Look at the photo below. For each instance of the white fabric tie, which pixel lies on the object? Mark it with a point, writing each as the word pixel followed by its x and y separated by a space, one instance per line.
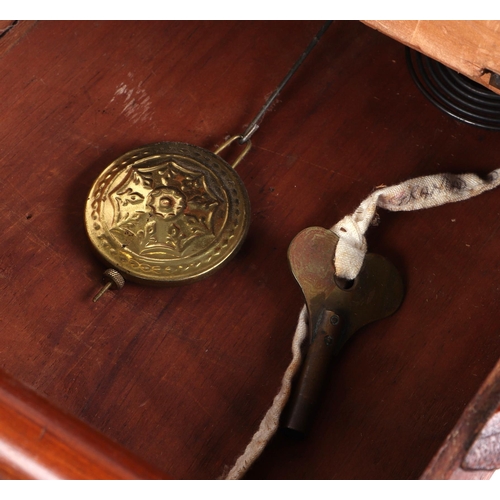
pixel 413 194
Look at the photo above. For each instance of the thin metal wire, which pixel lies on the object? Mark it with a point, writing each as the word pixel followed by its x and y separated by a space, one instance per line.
pixel 252 128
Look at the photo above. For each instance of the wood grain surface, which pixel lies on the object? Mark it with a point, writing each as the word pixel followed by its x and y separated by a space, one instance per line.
pixel 181 377
pixel 469 47
pixel 38 441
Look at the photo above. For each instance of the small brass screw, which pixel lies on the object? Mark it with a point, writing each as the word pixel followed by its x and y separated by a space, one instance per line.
pixel 113 279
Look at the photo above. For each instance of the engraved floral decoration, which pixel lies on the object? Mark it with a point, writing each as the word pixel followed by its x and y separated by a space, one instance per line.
pixel 165 211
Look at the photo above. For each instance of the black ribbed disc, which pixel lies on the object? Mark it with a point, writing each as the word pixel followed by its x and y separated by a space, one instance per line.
pixel 456 95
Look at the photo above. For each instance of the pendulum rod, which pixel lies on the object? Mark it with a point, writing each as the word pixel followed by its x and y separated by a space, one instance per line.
pixel 252 128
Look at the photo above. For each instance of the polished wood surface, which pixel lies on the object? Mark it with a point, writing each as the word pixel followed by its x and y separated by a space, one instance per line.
pixel 38 441
pixel 469 47
pixel 181 377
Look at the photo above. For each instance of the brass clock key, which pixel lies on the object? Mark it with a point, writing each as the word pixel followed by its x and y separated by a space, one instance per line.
pixel 336 310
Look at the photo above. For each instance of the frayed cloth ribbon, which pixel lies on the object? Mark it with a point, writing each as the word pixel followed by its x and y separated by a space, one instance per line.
pixel 413 194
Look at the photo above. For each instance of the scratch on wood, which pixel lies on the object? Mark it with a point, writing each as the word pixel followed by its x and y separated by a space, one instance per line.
pixel 201 406
pixel 415 34
pixel 5 30
pixel 137 105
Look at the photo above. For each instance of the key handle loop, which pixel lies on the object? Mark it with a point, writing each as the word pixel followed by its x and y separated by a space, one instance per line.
pixel 248 146
pixel 377 291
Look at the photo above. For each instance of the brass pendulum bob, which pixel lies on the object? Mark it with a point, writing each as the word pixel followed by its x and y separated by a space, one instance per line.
pixel 172 213
pixel 168 213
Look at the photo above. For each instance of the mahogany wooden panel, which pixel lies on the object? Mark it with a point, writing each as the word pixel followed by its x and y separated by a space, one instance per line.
pixel 469 47
pixel 11 32
pixel 37 441
pixel 181 377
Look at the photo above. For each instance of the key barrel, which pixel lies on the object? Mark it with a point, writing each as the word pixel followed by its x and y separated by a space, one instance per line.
pixel 319 355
